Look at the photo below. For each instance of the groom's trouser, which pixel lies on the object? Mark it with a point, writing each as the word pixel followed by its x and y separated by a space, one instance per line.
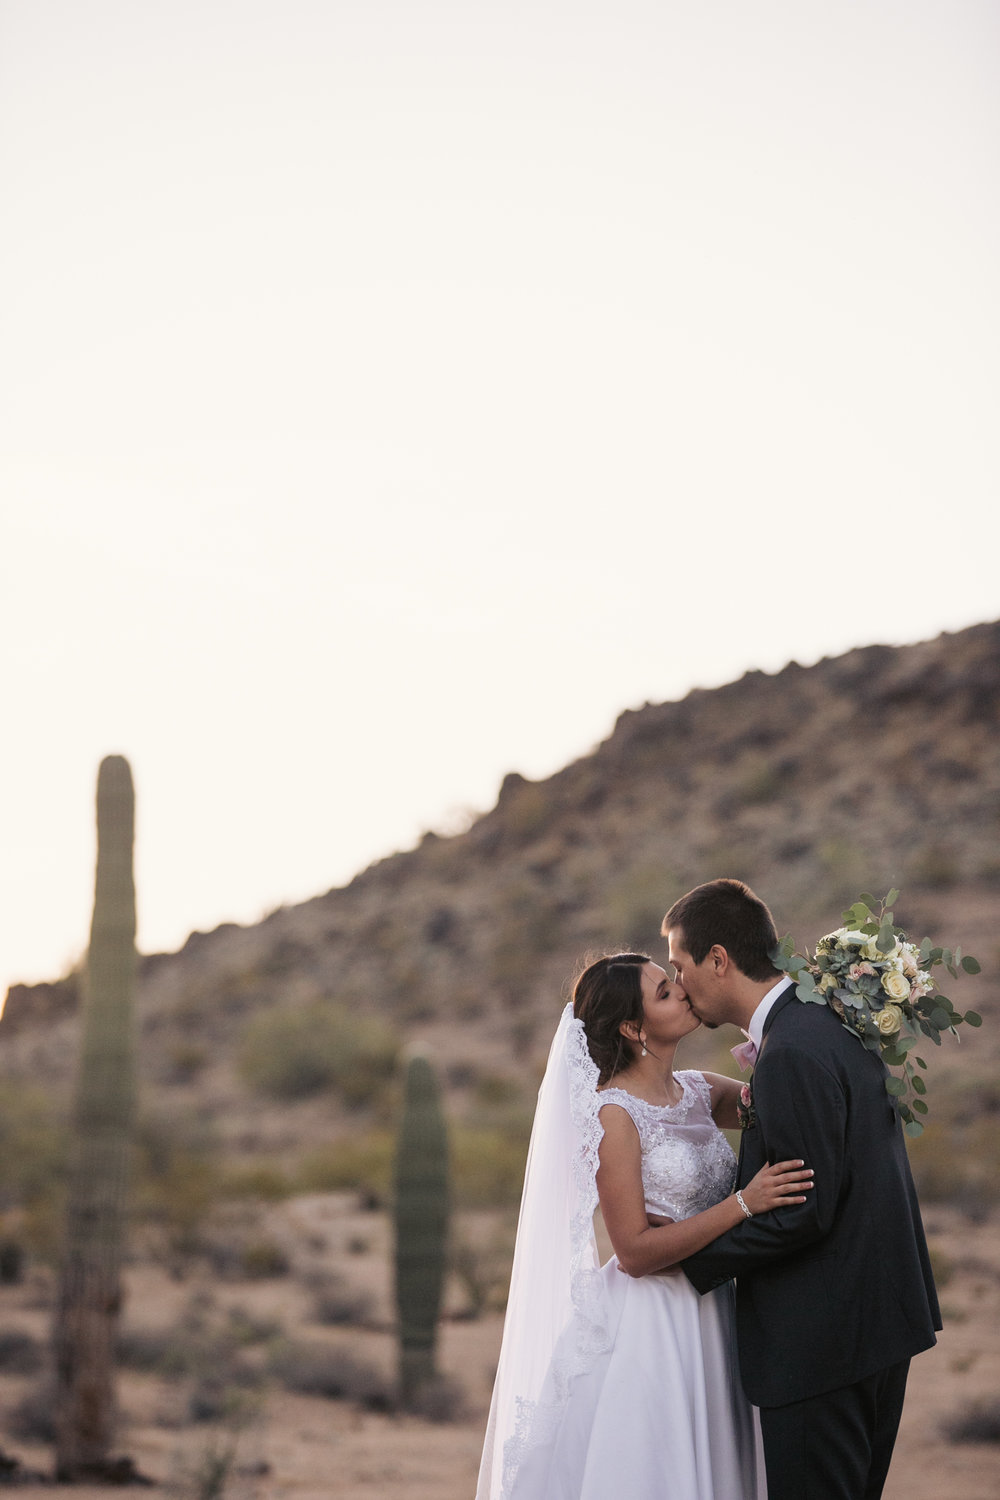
pixel 836 1446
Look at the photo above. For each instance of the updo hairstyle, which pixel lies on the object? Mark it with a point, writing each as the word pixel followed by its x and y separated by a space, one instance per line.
pixel 608 992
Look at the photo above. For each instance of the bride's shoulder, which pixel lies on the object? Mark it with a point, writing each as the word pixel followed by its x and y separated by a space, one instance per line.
pixel 698 1083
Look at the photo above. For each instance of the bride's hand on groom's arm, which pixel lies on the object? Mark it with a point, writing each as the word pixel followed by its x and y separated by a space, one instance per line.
pixel 777 1185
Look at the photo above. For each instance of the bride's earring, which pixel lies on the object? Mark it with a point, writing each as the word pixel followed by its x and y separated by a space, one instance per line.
pixel 643 1054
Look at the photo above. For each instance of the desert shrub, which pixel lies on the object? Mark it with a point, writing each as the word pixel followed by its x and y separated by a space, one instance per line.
pixel 337 1304
pixel 32 1418
pixel 357 1162
pixel 959 1163
pixel 759 781
pixel 176 1179
pixel 147 1349
pixel 261 1180
pixel 941 1266
pixel 291 1054
pixel 32 1162
pixel 247 1328
pixel 11 1261
pixel 978 1423
pixel 440 1399
pixel 20 1354
pixel 636 903
pixel 934 867
pixel 263 1258
pixel 482 1270
pixel 185 1060
pixel 496 1090
pixel 487 1167
pixel 217 1397
pixel 314 1369
pixel 206 1477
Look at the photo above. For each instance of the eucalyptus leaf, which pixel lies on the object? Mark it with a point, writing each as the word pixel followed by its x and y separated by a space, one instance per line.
pixel 920 1106
pixel 913 1128
pixel 892 898
pixel 895 1086
pixel 808 992
pixel 919 1085
pixel 971 965
pixel 941 1019
pixel 867 900
pixel 920 1061
pixel 886 940
pixel 973 1018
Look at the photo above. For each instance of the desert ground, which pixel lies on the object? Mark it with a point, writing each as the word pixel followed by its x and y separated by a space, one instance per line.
pixel 273 1444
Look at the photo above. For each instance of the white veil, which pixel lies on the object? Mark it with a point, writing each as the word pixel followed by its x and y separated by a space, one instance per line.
pixel 556 1322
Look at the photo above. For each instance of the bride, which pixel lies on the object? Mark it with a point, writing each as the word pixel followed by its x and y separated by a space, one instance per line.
pixel 626 1384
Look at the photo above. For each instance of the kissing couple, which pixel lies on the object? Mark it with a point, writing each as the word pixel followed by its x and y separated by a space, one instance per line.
pixel 757 1345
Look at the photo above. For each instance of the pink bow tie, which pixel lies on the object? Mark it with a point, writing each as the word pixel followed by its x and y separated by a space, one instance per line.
pixel 746 1053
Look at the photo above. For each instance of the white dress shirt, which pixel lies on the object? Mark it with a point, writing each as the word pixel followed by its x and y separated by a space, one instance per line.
pixel 760 1015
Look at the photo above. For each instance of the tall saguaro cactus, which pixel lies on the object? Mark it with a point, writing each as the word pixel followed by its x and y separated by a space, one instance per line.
pixel 103 1114
pixel 422 1202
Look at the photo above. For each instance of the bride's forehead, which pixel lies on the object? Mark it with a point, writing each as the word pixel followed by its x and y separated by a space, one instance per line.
pixel 652 975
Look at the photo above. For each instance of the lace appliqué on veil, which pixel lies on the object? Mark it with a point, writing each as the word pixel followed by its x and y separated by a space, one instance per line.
pixel 590 1335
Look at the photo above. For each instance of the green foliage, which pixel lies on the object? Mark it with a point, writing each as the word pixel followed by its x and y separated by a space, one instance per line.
pixel 488 1166
pixel 177 1179
pixel 33 1144
pixel 359 1162
pixel 291 1054
pixel 422 1193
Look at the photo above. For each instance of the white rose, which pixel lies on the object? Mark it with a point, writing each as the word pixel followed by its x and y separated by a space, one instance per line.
pixel 889 1020
pixel 849 939
pixel 896 985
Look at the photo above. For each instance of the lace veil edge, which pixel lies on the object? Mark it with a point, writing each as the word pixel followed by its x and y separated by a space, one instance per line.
pixel 557 1323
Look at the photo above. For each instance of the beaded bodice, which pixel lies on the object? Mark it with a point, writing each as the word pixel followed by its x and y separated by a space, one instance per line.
pixel 687 1163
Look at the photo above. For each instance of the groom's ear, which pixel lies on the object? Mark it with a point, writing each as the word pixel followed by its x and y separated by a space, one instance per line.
pixel 721 962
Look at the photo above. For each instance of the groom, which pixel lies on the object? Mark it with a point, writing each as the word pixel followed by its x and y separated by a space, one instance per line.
pixel 834 1295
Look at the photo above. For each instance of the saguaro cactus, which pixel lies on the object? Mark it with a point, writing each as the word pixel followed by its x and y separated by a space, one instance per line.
pixel 103 1113
pixel 422 1194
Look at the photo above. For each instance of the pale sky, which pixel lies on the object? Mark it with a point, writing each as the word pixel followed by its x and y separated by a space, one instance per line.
pixel 394 391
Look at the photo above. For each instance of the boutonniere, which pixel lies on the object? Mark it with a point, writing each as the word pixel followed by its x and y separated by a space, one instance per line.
pixel 745 1112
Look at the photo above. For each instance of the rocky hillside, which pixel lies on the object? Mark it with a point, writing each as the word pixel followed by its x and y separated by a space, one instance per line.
pixel 876 768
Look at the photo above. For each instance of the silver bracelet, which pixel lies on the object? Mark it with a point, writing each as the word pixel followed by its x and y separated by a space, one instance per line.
pixel 739 1199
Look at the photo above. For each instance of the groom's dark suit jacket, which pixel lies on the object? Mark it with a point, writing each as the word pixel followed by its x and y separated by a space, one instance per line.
pixel 831 1290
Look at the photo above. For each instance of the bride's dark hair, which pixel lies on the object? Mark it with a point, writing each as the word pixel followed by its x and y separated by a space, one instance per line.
pixel 608 992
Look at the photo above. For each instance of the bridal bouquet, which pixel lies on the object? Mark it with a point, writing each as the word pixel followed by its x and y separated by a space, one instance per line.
pixel 882 988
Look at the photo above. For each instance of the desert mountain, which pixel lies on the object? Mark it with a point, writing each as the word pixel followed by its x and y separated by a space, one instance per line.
pixel 876 768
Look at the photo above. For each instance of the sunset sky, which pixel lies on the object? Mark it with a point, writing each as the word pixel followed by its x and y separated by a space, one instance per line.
pixel 396 390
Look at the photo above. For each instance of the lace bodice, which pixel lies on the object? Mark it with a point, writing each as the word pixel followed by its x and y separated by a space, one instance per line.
pixel 687 1163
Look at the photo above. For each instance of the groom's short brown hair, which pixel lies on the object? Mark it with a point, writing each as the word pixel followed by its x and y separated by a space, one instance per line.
pixel 726 912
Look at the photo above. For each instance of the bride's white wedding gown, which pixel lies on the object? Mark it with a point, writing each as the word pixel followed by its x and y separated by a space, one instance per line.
pixel 658 1413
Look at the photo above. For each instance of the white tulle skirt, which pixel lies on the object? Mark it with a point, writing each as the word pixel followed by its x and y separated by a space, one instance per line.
pixel 661 1415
